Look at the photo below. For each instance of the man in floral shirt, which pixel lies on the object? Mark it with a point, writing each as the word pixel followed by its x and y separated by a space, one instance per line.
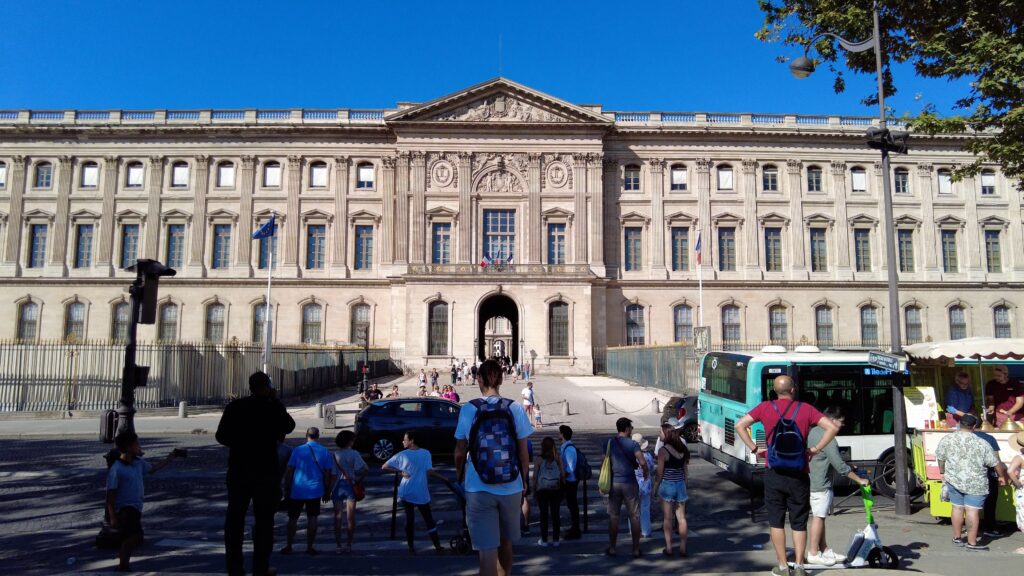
pixel 964 459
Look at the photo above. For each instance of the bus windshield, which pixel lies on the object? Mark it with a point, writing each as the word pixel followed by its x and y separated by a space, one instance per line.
pixel 725 376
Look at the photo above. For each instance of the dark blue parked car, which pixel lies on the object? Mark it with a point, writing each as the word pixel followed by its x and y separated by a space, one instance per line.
pixel 381 425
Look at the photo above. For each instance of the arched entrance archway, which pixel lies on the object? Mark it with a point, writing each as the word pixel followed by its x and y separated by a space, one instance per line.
pixel 497 306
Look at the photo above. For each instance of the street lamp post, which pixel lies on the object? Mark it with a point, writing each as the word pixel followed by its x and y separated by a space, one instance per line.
pixel 802 67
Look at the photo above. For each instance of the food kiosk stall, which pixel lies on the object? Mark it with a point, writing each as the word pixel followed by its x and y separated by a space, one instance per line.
pixel 933 366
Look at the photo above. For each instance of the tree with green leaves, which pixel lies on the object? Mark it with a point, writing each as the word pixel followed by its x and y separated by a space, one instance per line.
pixel 981 41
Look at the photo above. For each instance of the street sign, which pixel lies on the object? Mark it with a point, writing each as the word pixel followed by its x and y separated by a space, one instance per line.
pixel 701 339
pixel 888 362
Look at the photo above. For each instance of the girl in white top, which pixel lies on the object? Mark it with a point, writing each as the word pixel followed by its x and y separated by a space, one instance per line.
pixel 415 465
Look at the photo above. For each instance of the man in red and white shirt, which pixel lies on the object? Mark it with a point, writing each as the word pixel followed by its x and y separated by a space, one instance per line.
pixel 787 490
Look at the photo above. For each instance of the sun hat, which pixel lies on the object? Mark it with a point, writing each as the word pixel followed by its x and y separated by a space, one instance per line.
pixel 1016 441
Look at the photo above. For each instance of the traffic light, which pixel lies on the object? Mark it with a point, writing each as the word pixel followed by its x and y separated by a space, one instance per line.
pixel 149 272
pixel 885 139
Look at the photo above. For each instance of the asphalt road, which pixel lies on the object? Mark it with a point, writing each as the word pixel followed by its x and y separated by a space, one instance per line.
pixel 51 494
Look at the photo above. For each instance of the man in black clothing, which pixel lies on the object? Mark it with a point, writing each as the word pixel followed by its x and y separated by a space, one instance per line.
pixel 251 427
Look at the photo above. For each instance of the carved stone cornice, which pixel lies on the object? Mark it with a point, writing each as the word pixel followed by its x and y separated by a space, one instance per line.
pixel 704 165
pixel 794 166
pixel 749 165
pixel 838 168
pixel 924 169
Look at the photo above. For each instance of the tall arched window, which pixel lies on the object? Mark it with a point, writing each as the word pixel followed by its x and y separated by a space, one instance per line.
pixel 225 175
pixel 770 178
pixel 312 324
pixel 44 175
pixel 957 323
pixel 215 323
pixel 437 343
pixel 901 179
pixel 359 332
pixel 731 326
pixel 1001 318
pixel 121 314
pixel 631 179
pixel 778 325
pixel 682 323
pixel 558 329
pixel 635 325
pixel 869 326
pixel 259 322
pixel 823 326
pixel 167 331
pixel 912 324
pixel 74 322
pixel 28 322
pixel 814 179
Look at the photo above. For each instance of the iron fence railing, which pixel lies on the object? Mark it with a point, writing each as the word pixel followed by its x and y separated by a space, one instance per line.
pixel 62 376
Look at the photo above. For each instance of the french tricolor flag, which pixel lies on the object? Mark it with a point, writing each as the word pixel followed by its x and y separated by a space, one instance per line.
pixel 698 248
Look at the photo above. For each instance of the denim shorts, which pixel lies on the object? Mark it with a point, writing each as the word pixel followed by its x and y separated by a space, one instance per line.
pixel 673 491
pixel 958 498
pixel 343 491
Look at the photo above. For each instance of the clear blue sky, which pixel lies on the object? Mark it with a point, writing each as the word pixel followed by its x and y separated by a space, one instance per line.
pixel 674 56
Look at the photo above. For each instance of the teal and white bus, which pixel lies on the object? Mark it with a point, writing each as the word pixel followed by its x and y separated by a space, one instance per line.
pixel 732 383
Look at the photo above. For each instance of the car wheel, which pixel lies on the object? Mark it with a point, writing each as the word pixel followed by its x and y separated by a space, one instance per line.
pixel 690 433
pixel 885 476
pixel 383 449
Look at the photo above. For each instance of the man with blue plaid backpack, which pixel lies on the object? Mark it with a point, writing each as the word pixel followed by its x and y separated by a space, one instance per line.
pixel 493 464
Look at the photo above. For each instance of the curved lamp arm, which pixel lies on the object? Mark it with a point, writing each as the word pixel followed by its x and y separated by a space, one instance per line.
pixel 861 46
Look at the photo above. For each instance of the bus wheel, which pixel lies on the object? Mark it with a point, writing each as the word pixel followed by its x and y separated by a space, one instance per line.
pixel 690 433
pixel 885 475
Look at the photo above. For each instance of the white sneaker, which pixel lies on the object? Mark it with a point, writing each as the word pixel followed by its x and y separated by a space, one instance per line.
pixel 836 558
pixel 820 560
pixel 542 544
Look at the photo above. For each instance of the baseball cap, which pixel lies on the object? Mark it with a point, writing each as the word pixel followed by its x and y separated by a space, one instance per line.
pixel 969 421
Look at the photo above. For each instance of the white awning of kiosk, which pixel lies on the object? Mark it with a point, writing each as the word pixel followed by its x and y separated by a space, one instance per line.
pixel 968 348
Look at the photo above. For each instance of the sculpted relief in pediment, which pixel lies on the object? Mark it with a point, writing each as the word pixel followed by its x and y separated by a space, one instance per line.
pixel 500 181
pixel 499 108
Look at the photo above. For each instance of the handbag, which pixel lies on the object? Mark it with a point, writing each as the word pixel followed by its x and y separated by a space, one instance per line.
pixel 357 487
pixel 604 479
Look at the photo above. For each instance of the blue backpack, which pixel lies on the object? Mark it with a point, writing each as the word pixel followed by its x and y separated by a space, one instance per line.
pixel 788 448
pixel 493 442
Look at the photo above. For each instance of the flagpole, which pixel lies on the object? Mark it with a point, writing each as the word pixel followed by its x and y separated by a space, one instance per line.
pixel 700 293
pixel 269 318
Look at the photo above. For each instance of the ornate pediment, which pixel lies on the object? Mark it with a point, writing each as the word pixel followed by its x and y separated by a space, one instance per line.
pixel 499 101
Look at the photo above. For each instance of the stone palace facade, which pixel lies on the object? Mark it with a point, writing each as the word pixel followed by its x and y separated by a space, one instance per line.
pixel 417 225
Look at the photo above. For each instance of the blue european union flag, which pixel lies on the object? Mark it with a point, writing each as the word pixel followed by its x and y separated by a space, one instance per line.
pixel 267 230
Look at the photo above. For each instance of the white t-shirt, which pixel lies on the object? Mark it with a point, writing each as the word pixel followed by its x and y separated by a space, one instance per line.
pixel 527 395
pixel 416 463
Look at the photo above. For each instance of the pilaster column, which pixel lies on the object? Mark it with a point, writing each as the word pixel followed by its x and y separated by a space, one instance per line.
pixel 794 181
pixel 418 175
pixel 842 221
pixel 704 212
pixel 972 230
pixel 154 192
pixel 11 265
pixel 579 222
pixel 610 187
pixel 534 235
pixel 105 257
pixel 293 221
pixel 752 247
pixel 928 245
pixel 1015 235
pixel 596 193
pixel 243 255
pixel 387 228
pixel 657 187
pixel 466 216
pixel 58 256
pixel 339 256
pixel 201 182
pixel 402 188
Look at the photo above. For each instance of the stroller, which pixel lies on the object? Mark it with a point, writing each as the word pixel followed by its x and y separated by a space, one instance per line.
pixel 461 544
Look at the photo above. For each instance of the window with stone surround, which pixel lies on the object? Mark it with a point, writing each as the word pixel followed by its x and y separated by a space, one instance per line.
pixel 259 322
pixel 134 175
pixel 901 178
pixel 556 243
pixel 635 325
pixel 74 322
pixel 819 250
pixel 129 244
pixel 773 249
pixel 945 181
pixel 44 175
pixel 731 328
pixel 631 178
pixel 28 321
pixel 221 247
pixel 364 247
pixel 84 235
pixel 318 174
pixel 179 174
pixel 814 179
pixel 988 183
pixel 957 322
pixel 682 323
pixel 912 324
pixel 633 248
pixel 437 318
pixel 905 249
pixel 3 175
pixel 500 235
pixel 823 326
pixel 558 329
pixel 167 329
pixel 359 326
pixel 316 246
pixel 89 176
pixel 365 176
pixel 869 326
pixel 678 177
pixel 858 180
pixel 225 175
pixel 770 178
pixel 1002 327
pixel 778 324
pixel 441 243
pixel 862 249
pixel 215 322
pixel 993 251
pixel 272 174
pixel 38 234
pixel 725 180
pixel 312 323
pixel 727 249
pixel 949 255
pixel 174 252
pixel 119 319
pixel 680 239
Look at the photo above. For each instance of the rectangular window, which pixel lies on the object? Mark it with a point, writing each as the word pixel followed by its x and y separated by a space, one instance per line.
pixel 364 248
pixel 635 334
pixel 318 176
pixel 680 248
pixel 725 178
pixel 44 175
pixel 90 176
pixel 221 246
pixel 268 252
pixel 3 175
pixel 558 329
pixel 500 235
pixel 945 182
pixel 819 252
pixel 631 182
pixel 869 326
pixel 37 245
pixel 365 176
pixel 813 180
pixel 129 245
pixel 1002 327
pixel 859 180
pixel 179 175
pixel 902 180
pixel 949 261
pixel 271 175
pixel 727 249
pixel 993 252
pixel 175 245
pixel 913 323
pixel 226 175
pixel 770 180
pixel 988 183
pixel 773 249
pixel 441 242
pixel 823 325
pixel 778 325
pixel 905 246
pixel 862 249
pixel 679 179
pixel 316 245
pixel 634 248
pixel 556 243
pixel 83 245
pixel 135 172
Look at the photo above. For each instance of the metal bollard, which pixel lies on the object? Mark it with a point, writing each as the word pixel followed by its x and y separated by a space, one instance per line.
pixel 319 410
pixel 182 409
pixel 565 407
pixel 604 406
pixel 655 406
